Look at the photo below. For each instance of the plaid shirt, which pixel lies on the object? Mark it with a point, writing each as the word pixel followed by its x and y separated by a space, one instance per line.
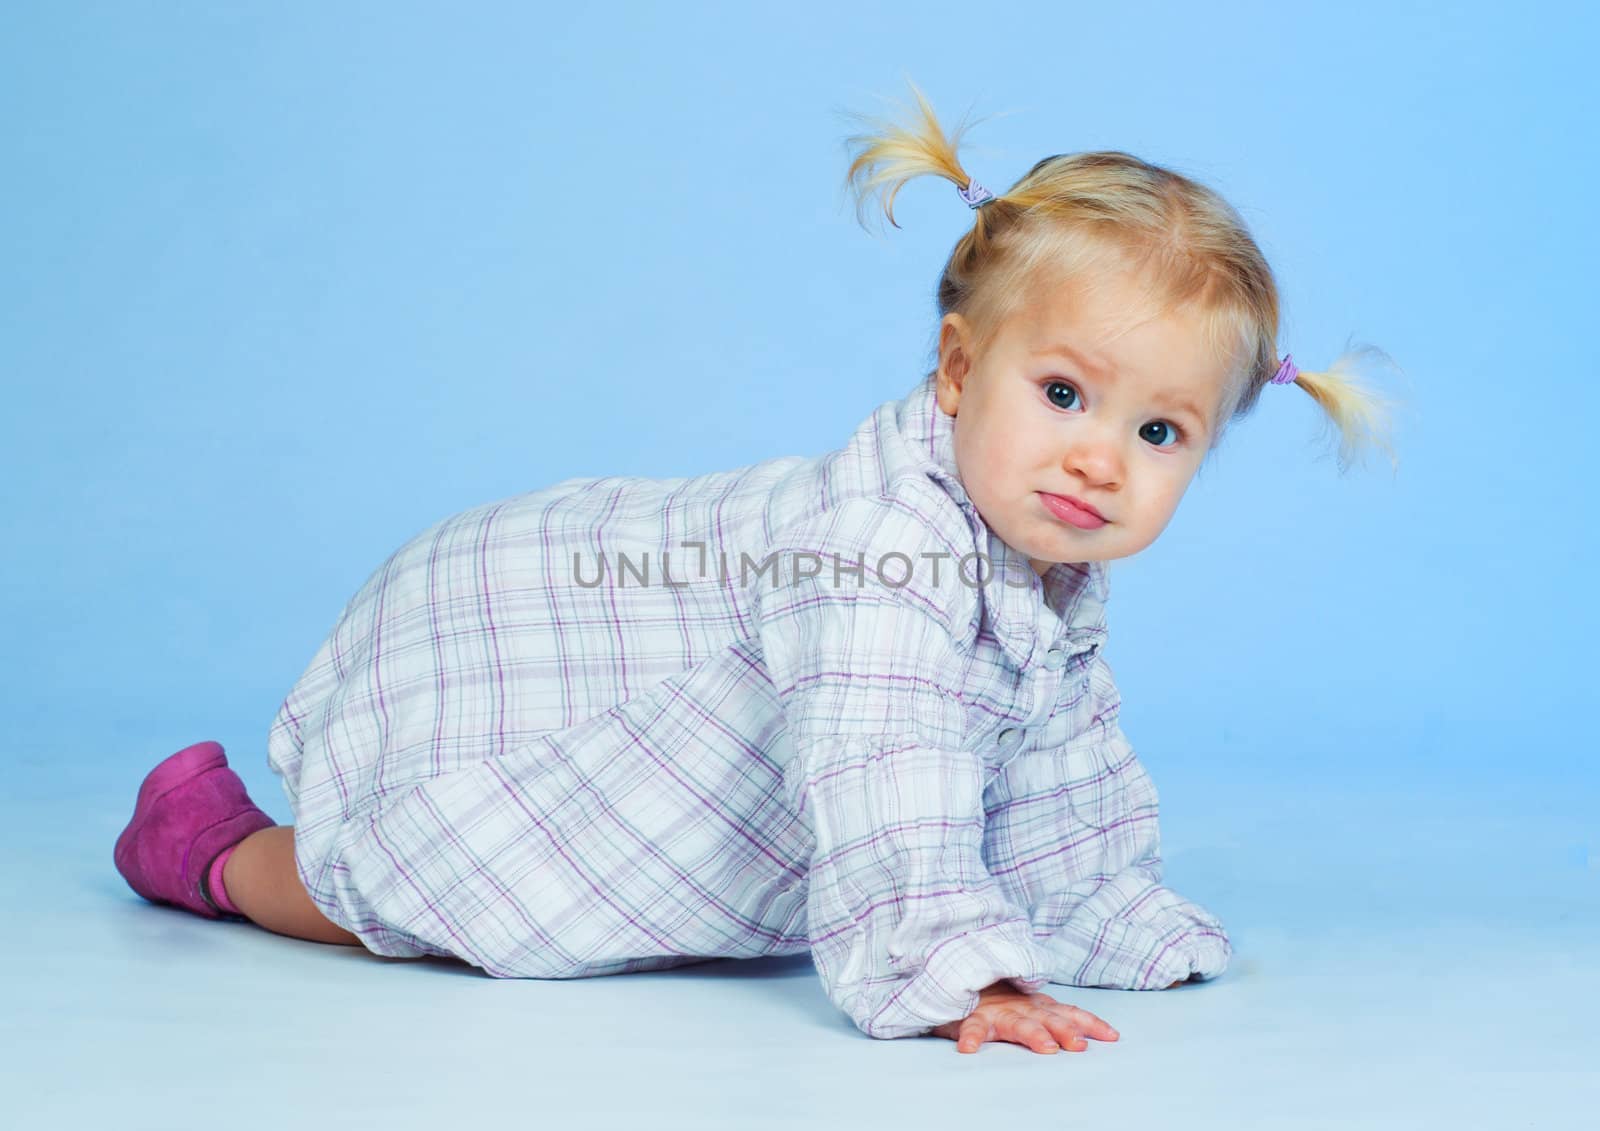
pixel 812 704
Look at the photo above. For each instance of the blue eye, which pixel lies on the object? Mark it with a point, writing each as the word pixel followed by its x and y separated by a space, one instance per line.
pixel 1176 434
pixel 1059 385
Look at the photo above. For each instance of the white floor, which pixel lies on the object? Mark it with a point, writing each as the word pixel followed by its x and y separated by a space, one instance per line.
pixel 1397 965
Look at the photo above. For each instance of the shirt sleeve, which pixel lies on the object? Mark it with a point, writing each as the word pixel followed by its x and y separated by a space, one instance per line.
pixel 1073 835
pixel 906 923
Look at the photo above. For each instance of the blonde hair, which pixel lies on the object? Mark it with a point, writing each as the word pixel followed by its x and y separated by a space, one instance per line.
pixel 1074 214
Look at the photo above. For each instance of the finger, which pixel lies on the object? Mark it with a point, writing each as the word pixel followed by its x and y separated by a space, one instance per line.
pixel 973 1032
pixel 1029 1032
pixel 1090 1025
pixel 1065 1031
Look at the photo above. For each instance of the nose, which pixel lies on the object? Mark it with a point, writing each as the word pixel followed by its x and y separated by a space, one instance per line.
pixel 1095 458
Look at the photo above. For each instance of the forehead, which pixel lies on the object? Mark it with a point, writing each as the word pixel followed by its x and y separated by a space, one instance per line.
pixel 1117 330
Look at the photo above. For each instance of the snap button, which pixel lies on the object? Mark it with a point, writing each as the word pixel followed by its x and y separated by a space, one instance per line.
pixel 1008 736
pixel 1086 638
pixel 1054 658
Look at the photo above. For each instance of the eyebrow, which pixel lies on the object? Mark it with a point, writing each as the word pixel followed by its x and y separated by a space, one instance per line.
pixel 1171 397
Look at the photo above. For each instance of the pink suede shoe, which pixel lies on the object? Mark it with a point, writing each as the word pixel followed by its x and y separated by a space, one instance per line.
pixel 190 807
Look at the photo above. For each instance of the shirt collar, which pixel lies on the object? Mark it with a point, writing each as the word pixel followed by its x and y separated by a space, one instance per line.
pixel 1064 609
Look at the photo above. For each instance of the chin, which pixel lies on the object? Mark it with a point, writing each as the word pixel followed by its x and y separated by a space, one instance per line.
pixel 1124 552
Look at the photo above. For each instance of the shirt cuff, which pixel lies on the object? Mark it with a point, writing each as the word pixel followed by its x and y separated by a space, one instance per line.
pixel 946 988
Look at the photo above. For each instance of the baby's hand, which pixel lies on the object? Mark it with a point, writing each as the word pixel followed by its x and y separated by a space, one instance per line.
pixel 1037 1021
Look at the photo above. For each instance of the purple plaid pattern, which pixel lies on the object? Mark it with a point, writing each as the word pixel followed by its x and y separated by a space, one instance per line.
pixel 516 749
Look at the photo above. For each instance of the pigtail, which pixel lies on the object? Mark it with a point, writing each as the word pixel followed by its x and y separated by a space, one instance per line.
pixel 889 155
pixel 1361 415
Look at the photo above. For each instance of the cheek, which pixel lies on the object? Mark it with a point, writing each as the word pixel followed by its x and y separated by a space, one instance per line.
pixel 1005 453
pixel 1171 492
pixel 1011 442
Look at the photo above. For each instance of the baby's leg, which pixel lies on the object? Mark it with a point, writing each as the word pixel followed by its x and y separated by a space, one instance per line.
pixel 261 881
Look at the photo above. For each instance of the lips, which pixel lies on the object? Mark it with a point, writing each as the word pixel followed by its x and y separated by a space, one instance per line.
pixel 1073 511
pixel 1080 504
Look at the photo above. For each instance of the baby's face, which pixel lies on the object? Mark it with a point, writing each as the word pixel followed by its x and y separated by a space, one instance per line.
pixel 1107 427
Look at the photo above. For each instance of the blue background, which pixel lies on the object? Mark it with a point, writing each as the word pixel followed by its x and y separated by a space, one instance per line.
pixel 282 285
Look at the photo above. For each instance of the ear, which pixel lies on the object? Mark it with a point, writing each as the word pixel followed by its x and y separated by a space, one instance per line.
pixel 955 361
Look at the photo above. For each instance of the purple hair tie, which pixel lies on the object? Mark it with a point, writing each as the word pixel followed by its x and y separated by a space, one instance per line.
pixel 975 194
pixel 1287 372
